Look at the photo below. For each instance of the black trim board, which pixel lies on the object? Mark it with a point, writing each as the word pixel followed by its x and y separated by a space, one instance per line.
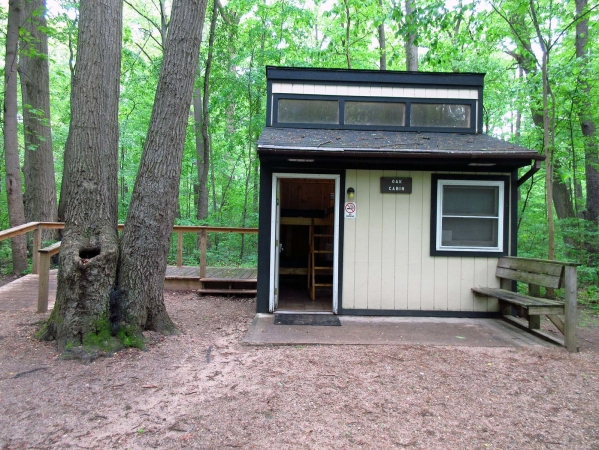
pixel 421 313
pixel 374 77
pixel 435 177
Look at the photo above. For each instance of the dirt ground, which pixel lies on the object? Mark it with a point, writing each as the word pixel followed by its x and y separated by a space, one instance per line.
pixel 203 389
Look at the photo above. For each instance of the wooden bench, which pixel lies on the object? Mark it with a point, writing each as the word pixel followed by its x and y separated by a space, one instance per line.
pixel 537 273
pixel 45 254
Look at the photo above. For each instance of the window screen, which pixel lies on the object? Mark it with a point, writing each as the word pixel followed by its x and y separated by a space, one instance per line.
pixel 470 215
pixel 308 111
pixel 375 113
pixel 443 115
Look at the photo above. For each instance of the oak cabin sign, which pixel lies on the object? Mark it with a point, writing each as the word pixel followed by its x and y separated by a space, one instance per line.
pixel 394 185
pixel 338 139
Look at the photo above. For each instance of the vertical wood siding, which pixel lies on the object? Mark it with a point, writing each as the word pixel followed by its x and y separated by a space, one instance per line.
pixel 386 253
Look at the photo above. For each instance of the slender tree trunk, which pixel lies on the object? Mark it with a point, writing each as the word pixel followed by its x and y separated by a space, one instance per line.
pixel 585 116
pixel 148 228
pixel 382 42
pixel 89 251
pixel 62 203
pixel 40 186
pixel 205 107
pixel 14 190
pixel 347 33
pixel 410 38
pixel 203 157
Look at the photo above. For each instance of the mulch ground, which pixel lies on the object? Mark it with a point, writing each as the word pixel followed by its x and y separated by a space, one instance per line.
pixel 203 389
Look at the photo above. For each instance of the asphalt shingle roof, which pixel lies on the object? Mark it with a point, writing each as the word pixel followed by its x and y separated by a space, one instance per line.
pixel 389 142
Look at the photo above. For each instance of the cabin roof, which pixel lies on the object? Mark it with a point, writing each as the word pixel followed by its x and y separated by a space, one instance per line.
pixel 390 144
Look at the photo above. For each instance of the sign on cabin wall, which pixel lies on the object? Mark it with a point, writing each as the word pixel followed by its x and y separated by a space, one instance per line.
pixel 395 185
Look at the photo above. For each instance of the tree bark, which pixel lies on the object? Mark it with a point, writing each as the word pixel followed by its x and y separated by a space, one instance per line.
pixel 410 38
pixel 148 228
pixel 203 157
pixel 587 124
pixel 347 33
pixel 40 186
pixel 382 42
pixel 14 190
pixel 89 251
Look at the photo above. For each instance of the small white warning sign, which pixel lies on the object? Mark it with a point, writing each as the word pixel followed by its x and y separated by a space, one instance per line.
pixel 350 210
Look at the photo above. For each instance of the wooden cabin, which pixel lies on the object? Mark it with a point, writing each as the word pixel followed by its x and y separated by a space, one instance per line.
pixel 379 194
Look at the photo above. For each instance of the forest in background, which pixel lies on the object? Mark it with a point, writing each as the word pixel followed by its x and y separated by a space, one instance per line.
pixel 513 42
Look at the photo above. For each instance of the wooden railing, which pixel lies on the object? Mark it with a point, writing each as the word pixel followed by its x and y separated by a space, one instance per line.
pixel 41 256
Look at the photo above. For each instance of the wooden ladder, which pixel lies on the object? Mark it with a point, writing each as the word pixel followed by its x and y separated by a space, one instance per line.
pixel 313 269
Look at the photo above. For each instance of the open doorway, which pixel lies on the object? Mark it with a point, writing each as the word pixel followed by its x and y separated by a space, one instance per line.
pixel 307 239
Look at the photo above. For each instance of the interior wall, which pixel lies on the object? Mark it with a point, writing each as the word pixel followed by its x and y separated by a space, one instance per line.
pixel 306 194
pixel 386 253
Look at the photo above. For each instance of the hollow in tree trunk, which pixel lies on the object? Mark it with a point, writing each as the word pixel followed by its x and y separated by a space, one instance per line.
pixel 89 251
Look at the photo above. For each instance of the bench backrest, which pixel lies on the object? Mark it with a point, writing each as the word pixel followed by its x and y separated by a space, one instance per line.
pixel 549 274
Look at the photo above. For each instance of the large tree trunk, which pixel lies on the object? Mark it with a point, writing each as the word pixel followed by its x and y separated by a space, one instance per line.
pixel 410 38
pixel 148 228
pixel 585 116
pixel 89 251
pixel 40 193
pixel 14 190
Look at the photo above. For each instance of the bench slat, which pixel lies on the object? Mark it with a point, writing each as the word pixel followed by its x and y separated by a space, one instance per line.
pixel 531 265
pixel 549 281
pixel 518 299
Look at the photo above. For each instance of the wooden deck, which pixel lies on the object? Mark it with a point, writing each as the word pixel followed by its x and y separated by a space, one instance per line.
pixel 22 293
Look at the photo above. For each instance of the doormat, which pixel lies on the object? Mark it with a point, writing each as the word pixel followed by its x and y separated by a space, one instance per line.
pixel 323 320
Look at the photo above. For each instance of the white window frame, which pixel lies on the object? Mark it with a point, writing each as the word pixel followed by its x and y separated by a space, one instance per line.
pixel 500 215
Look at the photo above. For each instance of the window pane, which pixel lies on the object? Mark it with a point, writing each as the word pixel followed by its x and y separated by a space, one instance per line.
pixel 471 200
pixel 469 232
pixel 439 115
pixel 308 111
pixel 375 113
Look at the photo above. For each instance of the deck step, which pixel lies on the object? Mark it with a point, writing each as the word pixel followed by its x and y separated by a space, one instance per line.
pixel 227 291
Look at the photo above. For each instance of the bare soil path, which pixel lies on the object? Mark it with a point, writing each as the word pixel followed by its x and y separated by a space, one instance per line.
pixel 203 389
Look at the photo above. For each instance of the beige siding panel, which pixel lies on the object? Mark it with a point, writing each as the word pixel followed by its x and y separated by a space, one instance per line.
pixel 430 93
pixel 492 303
pixel 364 91
pixel 277 87
pixel 386 92
pixel 402 246
pixel 330 90
pixel 427 293
pixel 388 244
pixel 440 300
pixel 309 89
pixel 342 90
pixel 376 91
pixel 419 92
pixel 415 244
pixel 320 89
pixel 297 89
pixel 408 92
pixel 375 240
pixel 351 90
pixel 467 283
pixel 362 238
pixel 349 249
pixel 454 293
pixel 481 277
